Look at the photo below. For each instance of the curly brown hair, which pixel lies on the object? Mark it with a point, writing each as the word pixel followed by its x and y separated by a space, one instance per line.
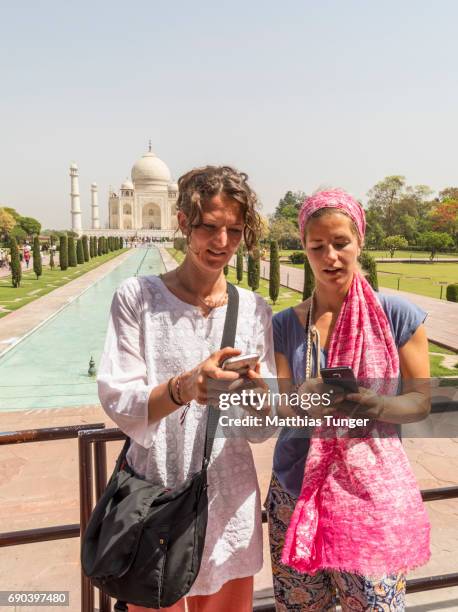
pixel 201 184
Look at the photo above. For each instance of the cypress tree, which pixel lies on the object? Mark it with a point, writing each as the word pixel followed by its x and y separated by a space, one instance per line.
pixel 51 252
pixel 239 265
pixel 85 249
pixel 71 252
pixel 16 270
pixel 94 246
pixel 254 269
pixel 37 268
pixel 309 280
pixel 63 252
pixel 99 246
pixel 226 270
pixel 452 293
pixel 369 265
pixel 274 277
pixel 79 251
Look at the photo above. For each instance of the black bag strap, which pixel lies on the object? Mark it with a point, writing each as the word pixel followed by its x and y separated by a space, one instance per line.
pixel 230 327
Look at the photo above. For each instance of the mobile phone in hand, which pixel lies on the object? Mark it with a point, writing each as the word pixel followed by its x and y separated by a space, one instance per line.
pixel 240 364
pixel 342 377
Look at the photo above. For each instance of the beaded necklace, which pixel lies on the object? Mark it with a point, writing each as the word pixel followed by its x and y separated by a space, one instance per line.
pixel 313 339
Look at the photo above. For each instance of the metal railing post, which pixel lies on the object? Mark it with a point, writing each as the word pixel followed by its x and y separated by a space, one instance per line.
pixel 100 465
pixel 86 483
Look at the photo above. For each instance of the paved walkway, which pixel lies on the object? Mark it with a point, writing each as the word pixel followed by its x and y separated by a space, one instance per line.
pixel 19 323
pixel 169 262
pixel 441 323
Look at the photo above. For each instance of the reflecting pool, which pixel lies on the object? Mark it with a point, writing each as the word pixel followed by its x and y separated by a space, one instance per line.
pixel 48 369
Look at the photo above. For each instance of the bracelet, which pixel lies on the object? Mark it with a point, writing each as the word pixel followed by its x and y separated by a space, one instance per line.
pixel 169 389
pixel 177 387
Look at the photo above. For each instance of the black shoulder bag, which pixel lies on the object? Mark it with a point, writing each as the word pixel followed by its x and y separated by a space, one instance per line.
pixel 143 544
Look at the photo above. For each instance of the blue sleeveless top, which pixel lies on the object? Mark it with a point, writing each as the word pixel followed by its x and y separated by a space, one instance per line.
pixel 289 339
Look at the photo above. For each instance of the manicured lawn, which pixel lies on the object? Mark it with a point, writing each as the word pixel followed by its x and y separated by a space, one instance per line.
pixel 412 254
pixel 438 370
pixel 423 279
pixel 31 288
pixel 386 254
pixel 435 348
pixel 178 255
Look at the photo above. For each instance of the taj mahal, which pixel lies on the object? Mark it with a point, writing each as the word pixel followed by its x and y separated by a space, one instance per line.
pixel 144 206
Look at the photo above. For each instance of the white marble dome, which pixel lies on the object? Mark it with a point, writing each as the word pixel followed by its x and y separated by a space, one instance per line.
pixel 127 184
pixel 150 169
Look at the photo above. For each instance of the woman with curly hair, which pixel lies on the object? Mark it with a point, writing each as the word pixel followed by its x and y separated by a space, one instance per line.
pixel 160 360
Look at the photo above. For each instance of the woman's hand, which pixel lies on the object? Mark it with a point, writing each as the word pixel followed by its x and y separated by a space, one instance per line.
pixel 204 382
pixel 367 404
pixel 254 382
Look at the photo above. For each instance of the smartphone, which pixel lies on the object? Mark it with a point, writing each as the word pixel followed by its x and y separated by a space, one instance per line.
pixel 342 377
pixel 240 364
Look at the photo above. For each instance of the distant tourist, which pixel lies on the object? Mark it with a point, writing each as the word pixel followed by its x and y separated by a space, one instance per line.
pixel 345 513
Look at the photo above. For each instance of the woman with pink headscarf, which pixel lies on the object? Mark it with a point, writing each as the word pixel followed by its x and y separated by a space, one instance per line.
pixel 345 512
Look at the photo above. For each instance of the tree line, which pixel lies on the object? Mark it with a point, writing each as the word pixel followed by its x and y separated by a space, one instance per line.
pixel 398 216
pixel 71 253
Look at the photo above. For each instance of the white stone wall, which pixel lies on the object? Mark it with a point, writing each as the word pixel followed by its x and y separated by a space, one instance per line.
pixel 139 199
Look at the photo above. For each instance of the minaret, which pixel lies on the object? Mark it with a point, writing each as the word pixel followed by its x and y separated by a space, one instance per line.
pixel 95 206
pixel 75 200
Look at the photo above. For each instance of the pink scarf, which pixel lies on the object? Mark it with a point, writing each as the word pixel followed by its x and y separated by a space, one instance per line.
pixel 360 510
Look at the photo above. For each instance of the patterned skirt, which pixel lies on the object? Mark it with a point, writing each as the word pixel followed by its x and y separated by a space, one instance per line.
pixel 318 593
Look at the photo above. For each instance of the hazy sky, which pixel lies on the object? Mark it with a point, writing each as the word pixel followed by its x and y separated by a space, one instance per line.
pixel 296 93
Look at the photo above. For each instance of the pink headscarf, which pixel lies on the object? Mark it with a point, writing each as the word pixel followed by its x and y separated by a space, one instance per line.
pixel 359 510
pixel 333 198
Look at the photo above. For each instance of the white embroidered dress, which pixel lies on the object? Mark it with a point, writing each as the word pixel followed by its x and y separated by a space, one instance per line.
pixel 152 335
